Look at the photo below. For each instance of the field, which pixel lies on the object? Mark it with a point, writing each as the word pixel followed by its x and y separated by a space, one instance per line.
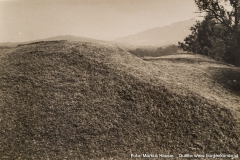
pixel 78 100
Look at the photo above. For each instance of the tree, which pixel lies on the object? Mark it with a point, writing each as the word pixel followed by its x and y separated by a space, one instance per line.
pixel 205 38
pixel 218 35
pixel 227 19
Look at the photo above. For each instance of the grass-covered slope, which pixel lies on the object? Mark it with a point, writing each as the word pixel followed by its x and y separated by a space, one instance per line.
pixel 77 101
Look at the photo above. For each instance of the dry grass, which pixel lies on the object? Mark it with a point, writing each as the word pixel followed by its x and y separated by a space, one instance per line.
pixel 64 100
pixel 213 80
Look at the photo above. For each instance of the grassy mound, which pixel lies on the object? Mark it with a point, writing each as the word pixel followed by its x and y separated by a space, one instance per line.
pixel 62 100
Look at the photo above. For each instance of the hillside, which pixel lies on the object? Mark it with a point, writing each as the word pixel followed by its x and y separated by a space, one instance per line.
pixel 79 100
pixel 211 79
pixel 160 36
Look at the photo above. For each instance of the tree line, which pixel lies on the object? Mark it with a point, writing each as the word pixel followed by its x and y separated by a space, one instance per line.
pixel 218 35
pixel 154 52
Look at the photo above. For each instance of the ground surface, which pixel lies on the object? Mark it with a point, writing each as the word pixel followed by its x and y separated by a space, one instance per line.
pixel 61 100
pixel 213 80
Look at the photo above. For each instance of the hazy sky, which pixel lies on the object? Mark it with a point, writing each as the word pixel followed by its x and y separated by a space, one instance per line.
pixel 24 20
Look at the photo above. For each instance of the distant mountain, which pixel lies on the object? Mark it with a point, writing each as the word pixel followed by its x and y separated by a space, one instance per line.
pixel 57 38
pixel 73 38
pixel 160 36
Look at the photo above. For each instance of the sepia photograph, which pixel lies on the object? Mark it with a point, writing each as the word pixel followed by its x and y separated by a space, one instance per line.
pixel 119 79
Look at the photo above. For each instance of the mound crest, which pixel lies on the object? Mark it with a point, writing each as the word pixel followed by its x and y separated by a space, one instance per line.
pixel 76 100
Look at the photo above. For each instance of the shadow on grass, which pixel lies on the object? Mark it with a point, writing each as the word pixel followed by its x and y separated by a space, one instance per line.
pixel 229 78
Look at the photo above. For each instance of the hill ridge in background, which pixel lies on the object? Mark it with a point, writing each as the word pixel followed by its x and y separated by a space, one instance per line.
pixel 75 38
pixel 69 38
pixel 57 38
pixel 79 100
pixel 160 36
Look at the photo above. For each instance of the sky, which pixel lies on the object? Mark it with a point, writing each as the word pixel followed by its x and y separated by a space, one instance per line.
pixel 25 20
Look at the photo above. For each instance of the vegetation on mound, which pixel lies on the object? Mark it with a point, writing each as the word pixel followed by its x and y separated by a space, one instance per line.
pixel 57 103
